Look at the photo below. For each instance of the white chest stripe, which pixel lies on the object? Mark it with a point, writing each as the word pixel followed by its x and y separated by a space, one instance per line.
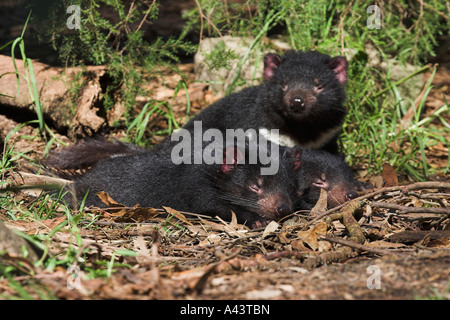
pixel 288 141
pixel 281 139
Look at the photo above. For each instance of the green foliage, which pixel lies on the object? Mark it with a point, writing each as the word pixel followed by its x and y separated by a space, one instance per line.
pixel 28 76
pixel 407 33
pixel 373 132
pixel 30 79
pixel 111 34
pixel 34 289
pixel 408 30
pixel 220 57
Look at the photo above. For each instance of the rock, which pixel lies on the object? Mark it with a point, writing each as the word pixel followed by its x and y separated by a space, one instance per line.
pixel 221 78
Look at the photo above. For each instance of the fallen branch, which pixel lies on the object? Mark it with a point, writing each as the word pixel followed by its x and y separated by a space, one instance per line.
pixel 404 189
pixel 405 209
pixel 355 245
pixel 53 84
pixel 356 236
pixel 340 255
pixel 414 236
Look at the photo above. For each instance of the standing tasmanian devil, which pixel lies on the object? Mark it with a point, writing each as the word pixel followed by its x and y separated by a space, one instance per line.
pixel 302 96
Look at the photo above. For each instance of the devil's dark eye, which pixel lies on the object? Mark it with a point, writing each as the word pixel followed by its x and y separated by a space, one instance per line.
pixel 321 182
pixel 318 88
pixel 255 188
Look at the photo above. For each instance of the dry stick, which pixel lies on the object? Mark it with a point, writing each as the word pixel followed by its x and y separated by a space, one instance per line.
pixel 145 16
pixel 340 255
pixel 355 245
pixel 405 209
pixel 405 189
pixel 201 21
pixel 203 16
pixel 414 236
pixel 350 223
pixel 357 237
pixel 432 196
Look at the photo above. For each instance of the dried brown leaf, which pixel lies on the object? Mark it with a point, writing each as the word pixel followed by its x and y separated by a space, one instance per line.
pixel 177 214
pixel 106 199
pixel 233 228
pixel 377 181
pixel 310 237
pixel 271 227
pixel 298 245
pixel 136 214
pixel 321 204
pixel 389 175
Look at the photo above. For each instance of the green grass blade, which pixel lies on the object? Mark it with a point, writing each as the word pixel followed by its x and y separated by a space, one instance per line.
pixel 35 96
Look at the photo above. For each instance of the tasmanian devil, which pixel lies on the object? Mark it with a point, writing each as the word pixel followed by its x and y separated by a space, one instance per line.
pixel 151 179
pixel 88 152
pixel 302 96
pixel 322 170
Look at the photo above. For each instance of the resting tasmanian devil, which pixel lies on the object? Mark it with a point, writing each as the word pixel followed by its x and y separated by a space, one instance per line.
pixel 135 176
pixel 151 179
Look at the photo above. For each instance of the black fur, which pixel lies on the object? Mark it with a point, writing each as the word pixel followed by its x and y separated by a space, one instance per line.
pixel 88 152
pixel 302 96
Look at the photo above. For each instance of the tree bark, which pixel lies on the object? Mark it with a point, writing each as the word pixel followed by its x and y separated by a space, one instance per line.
pixel 78 118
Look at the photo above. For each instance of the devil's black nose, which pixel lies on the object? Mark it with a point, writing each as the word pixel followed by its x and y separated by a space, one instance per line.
pixel 351 195
pixel 284 209
pixel 298 102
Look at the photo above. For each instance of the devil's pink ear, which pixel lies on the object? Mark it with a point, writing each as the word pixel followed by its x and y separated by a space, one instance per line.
pixel 231 157
pixel 296 156
pixel 339 65
pixel 271 62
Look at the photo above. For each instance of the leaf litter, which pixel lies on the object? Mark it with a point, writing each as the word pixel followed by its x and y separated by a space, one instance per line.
pixel 167 254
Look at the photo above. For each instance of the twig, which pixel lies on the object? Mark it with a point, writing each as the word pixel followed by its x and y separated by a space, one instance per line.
pixel 145 16
pixel 340 255
pixel 414 236
pixel 405 209
pixel 354 245
pixel 354 229
pixel 203 16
